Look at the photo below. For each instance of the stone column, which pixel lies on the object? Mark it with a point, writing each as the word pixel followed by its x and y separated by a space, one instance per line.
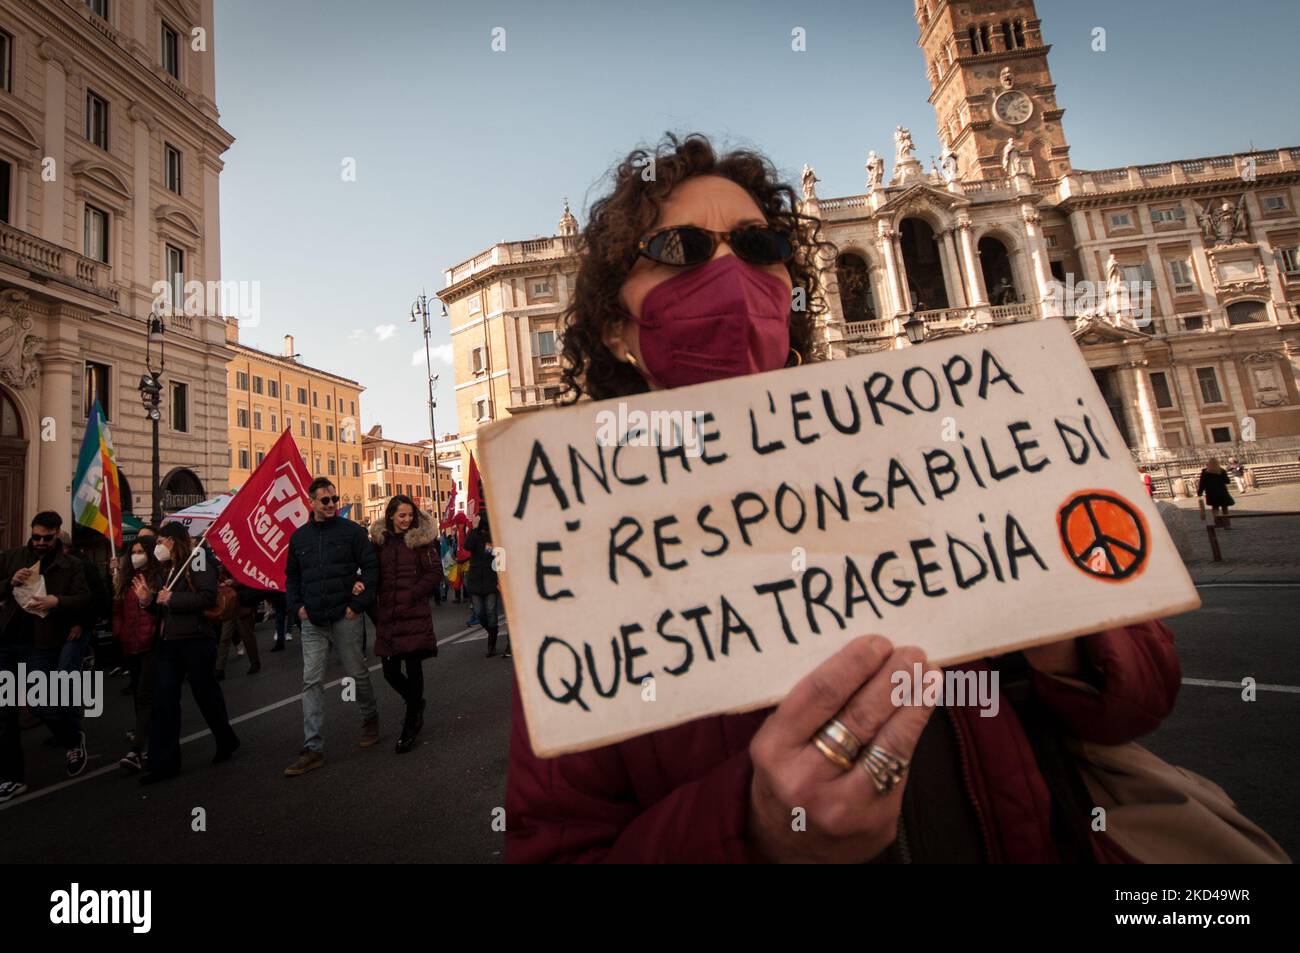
pixel 58 364
pixel 1083 243
pixel 904 292
pixel 948 251
pixel 1037 247
pixel 1128 397
pixel 55 137
pixel 979 296
pixel 1148 414
pixel 1191 403
pixel 886 242
pixel 141 128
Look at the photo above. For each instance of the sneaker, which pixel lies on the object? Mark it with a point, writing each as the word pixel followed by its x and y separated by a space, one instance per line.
pixel 308 760
pixel 506 654
pixel 132 761
pixel 288 636
pixel 118 672
pixel 77 757
pixel 370 732
pixel 11 789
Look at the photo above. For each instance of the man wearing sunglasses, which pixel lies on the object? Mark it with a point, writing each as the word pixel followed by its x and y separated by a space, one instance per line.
pixel 331 577
pixel 34 641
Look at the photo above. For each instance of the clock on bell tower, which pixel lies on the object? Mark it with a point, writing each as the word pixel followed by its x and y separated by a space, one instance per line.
pixel 989 82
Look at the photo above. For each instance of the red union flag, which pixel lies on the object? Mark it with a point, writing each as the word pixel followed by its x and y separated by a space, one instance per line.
pixel 251 536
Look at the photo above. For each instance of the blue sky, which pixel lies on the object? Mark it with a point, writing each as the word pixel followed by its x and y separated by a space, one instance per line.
pixel 457 146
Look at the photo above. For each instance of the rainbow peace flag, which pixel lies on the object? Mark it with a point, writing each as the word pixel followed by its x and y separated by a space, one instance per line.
pixel 96 489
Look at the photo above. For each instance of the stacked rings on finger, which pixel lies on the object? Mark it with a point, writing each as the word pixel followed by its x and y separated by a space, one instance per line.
pixel 886 770
pixel 837 743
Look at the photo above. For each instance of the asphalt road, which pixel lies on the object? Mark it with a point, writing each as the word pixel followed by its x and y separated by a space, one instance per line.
pixel 437 803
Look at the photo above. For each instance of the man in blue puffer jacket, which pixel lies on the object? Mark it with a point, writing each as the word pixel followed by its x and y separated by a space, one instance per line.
pixel 331 577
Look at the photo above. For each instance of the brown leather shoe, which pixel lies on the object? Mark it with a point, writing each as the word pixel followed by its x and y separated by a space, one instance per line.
pixel 308 760
pixel 370 732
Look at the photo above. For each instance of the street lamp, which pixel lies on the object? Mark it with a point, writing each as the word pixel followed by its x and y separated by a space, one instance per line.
pixel 151 397
pixel 420 309
pixel 914 328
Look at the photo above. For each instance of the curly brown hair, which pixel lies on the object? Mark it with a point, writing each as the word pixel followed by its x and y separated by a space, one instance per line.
pixel 607 250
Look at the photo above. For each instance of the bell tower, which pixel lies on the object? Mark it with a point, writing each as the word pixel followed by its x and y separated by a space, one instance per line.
pixel 989 82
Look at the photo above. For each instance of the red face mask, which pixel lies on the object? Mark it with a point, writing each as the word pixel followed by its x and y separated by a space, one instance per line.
pixel 723 319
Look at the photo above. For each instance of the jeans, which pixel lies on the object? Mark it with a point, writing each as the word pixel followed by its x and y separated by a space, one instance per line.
pixel 175 660
pixel 65 724
pixel 345 636
pixel 72 654
pixel 485 610
pixel 281 617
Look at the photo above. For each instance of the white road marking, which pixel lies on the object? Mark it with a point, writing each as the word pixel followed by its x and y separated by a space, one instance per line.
pixel 1214 683
pixel 465 635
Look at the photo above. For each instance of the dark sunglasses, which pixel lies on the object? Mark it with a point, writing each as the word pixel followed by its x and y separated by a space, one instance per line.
pixel 329 500
pixel 690 245
pixel 42 538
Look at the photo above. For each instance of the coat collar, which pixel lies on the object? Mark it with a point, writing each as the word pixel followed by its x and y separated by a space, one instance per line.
pixel 421 534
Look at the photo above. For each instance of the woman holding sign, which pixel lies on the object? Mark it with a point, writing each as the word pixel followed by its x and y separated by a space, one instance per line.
pixel 706 271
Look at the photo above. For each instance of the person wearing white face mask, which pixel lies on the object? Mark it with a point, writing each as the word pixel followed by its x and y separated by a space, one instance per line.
pixel 185 648
pixel 134 627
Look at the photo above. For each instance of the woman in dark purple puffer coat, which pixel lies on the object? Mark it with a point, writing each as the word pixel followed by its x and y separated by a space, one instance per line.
pixel 409 572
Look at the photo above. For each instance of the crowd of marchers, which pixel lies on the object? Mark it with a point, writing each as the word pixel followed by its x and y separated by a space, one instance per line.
pixel 175 614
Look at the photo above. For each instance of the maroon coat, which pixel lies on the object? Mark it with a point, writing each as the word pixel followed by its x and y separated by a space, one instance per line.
pixel 682 794
pixel 409 572
pixel 133 626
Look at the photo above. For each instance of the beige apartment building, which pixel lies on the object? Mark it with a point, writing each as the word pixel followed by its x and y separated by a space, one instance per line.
pixel 271 393
pixel 1179 280
pixel 110 160
pixel 393 466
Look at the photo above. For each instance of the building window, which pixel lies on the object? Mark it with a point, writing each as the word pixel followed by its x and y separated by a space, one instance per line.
pixel 180 407
pixel 1165 215
pixel 329 432
pixel 356 468
pixel 302 395
pixel 1221 434
pixel 385 459
pixel 316 469
pixel 243 459
pixel 1247 312
pixel 1209 382
pixel 407 460
pixel 1181 271
pixel 6 190
pixel 97 120
pixel 352 407
pixel 96 386
pixel 302 428
pixel 176 275
pixel 315 429
pixel 473 305
pixel 257 420
pixel 327 402
pixel 551 393
pixel 544 348
pixel 98 7
pixel 1272 203
pixel 1160 385
pixel 541 286
pixel 241 380
pixel 257 384
pixel 241 417
pixel 95 240
pixel 330 461
pixel 1121 220
pixel 476 360
pixel 481 409
pixel 171 51
pixel 1194 322
pixel 273 388
pixel 274 427
pixel 172 168
pixel 1290 258
pixel 6 62
pixel 315 395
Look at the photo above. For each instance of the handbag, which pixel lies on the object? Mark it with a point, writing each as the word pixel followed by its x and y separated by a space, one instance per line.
pixel 1162 814
pixel 226 606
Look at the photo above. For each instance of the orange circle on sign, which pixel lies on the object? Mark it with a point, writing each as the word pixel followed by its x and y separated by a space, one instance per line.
pixel 1104 535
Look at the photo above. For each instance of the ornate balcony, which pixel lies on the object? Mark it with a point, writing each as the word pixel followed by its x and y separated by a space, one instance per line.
pixel 48 260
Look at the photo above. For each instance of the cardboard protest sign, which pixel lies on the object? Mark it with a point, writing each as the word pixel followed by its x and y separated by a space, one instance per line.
pixel 696 551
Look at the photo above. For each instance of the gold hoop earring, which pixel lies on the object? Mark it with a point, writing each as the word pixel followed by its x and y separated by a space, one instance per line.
pixel 798 358
pixel 631 359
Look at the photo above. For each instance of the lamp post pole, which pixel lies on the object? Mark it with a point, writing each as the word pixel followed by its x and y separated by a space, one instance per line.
pixel 420 309
pixel 151 398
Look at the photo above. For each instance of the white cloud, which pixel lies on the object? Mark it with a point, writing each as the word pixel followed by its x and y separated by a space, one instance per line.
pixel 358 334
pixel 385 331
pixel 439 352
pixel 417 357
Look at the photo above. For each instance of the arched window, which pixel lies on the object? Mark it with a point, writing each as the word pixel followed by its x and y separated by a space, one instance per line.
pixel 1005 26
pixel 11 425
pixel 854 279
pixel 1020 34
pixel 974 36
pixel 1247 312
pixel 985 45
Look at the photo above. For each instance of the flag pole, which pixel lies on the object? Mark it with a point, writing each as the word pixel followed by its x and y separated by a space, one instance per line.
pixel 178 570
pixel 112 537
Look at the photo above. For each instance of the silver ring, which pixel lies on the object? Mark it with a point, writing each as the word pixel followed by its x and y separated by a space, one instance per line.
pixel 886 769
pixel 836 731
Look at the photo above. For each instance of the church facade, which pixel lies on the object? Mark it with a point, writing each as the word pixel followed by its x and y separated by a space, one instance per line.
pixel 1180 281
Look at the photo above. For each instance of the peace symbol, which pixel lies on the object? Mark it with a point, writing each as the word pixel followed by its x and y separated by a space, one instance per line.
pixel 1104 535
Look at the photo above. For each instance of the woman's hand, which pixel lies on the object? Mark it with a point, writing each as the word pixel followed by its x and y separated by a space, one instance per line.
pixel 358 587
pixel 846 819
pixel 164 597
pixel 142 591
